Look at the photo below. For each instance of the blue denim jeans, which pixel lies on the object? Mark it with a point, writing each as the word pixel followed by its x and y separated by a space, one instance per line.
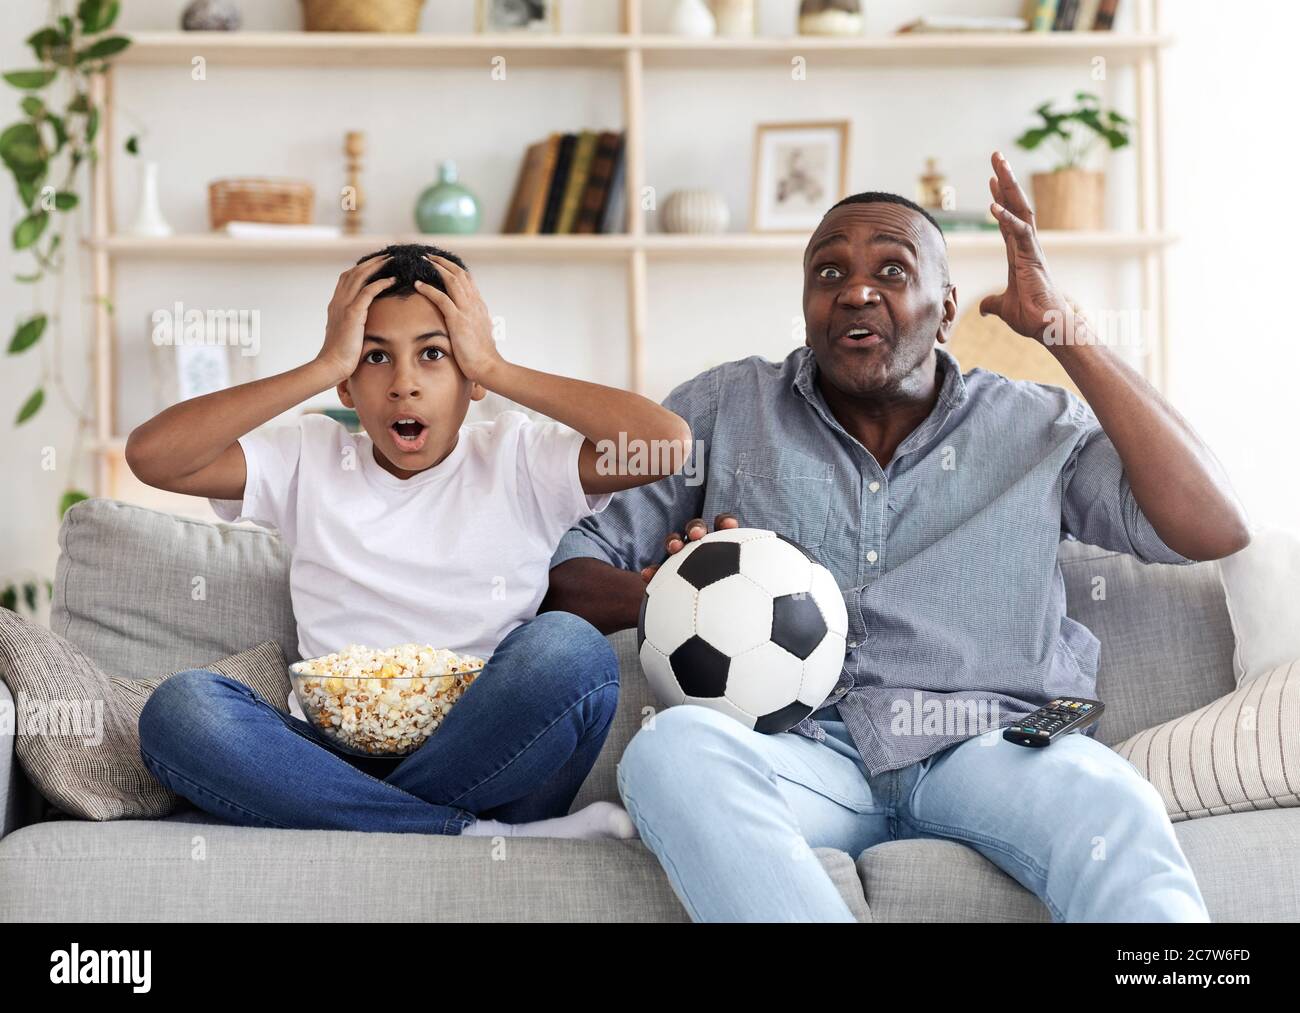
pixel 733 817
pixel 516 747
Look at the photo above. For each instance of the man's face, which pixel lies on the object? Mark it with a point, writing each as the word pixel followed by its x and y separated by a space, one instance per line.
pixel 875 298
pixel 407 390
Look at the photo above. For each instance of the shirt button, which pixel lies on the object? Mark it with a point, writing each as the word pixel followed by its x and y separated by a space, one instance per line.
pixel 871 556
pixel 874 487
pixel 853 643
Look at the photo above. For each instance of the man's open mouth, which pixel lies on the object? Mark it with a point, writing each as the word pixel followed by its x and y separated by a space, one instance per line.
pixel 409 433
pixel 860 337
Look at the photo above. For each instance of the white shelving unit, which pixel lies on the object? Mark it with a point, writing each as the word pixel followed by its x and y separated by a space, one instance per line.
pixel 633 52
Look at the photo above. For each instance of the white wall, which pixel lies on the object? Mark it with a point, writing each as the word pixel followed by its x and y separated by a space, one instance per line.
pixel 699 133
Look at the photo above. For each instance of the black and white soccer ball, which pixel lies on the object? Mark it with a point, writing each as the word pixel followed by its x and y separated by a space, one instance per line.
pixel 744 621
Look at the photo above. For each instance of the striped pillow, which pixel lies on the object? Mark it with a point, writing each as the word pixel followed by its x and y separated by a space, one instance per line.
pixel 1240 753
pixel 76 730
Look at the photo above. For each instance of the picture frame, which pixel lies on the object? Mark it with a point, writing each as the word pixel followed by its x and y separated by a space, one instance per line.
pixel 510 16
pixel 181 370
pixel 800 170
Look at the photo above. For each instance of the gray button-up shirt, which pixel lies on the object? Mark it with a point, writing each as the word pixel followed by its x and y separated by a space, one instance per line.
pixel 946 557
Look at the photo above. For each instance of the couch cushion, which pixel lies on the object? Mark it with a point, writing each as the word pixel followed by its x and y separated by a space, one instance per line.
pixel 194 870
pixel 79 743
pixel 1166 641
pixel 1238 754
pixel 1244 864
pixel 143 592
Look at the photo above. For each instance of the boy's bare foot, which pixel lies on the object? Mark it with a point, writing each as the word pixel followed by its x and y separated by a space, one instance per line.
pixel 596 821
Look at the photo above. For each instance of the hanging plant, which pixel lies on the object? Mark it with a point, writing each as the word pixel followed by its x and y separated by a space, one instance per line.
pixel 44 152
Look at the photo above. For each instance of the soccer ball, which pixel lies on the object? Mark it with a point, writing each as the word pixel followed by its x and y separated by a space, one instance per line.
pixel 744 621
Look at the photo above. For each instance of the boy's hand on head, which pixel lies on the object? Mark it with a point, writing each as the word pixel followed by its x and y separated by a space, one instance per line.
pixel 345 324
pixel 469 326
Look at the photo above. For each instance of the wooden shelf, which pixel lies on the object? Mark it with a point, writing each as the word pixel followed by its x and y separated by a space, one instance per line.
pixel 366 49
pixel 208 246
pixel 372 49
pixel 657 245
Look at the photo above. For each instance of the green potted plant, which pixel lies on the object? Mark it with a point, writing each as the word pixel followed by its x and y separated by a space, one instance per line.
pixel 45 153
pixel 1072 196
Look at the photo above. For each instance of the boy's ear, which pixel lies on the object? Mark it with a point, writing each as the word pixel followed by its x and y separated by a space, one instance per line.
pixel 476 393
pixel 345 395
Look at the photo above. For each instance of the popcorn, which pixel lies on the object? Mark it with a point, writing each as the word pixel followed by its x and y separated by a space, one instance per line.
pixel 382 702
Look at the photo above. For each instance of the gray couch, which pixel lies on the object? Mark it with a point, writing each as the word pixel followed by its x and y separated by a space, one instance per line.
pixel 124 595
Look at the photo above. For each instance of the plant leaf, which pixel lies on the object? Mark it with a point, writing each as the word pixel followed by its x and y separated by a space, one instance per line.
pixel 28 334
pixel 22 150
pixel 28 190
pixel 80 103
pixel 97 15
pixel 92 126
pixel 30 80
pixel 9 598
pixel 65 200
pixel 33 106
pixel 29 279
pixel 29 596
pixel 132 145
pixel 31 406
pixel 27 231
pixel 43 41
pixel 69 498
pixel 103 48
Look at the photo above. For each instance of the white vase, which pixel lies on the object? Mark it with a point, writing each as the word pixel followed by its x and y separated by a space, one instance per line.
pixel 695 212
pixel 692 18
pixel 149 220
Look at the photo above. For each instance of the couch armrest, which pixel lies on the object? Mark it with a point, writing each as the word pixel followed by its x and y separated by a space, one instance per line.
pixel 18 800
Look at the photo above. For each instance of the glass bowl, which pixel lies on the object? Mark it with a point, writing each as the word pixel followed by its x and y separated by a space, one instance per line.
pixel 382 703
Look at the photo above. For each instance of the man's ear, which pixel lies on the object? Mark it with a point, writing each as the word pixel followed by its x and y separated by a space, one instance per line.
pixel 477 392
pixel 345 395
pixel 949 317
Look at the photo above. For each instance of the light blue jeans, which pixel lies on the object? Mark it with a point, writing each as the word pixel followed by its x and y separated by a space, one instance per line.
pixel 516 747
pixel 733 817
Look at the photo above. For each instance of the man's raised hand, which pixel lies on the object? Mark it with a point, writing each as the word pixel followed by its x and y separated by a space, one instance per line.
pixel 1031 303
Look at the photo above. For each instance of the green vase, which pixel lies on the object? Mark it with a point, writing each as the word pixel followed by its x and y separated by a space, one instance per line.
pixel 447 206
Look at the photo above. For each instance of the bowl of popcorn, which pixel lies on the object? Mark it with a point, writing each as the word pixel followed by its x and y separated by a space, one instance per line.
pixel 382 702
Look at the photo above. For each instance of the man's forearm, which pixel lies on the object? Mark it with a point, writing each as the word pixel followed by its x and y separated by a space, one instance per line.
pixel 186 437
pixel 604 595
pixel 1176 480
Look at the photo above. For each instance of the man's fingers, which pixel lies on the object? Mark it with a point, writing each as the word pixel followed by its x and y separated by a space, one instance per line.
pixel 991 304
pixel 648 572
pixel 725 521
pixel 1012 196
pixel 673 543
pixel 696 528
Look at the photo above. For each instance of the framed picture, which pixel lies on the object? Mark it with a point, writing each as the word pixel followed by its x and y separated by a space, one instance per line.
pixel 517 15
pixel 800 170
pixel 182 369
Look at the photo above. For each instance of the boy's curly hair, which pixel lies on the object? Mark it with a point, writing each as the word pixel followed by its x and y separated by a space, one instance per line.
pixel 407 266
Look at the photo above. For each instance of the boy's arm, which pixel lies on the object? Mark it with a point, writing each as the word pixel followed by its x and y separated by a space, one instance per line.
pixel 615 422
pixel 193 447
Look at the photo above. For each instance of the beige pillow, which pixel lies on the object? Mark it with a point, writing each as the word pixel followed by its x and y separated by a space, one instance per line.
pixel 1265 614
pixel 90 766
pixel 1240 753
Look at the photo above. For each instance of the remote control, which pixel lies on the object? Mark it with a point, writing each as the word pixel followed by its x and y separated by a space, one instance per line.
pixel 1050 722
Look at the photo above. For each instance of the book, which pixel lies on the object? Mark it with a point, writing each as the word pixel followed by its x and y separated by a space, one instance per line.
pixel 531 188
pixel 582 155
pixel 1065 12
pixel 1044 15
pixel 563 161
pixel 1087 16
pixel 614 211
pixel 598 179
pixel 960 23
pixel 1105 21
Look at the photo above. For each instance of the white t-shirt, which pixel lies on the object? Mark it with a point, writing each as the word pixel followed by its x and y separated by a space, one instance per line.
pixel 456 556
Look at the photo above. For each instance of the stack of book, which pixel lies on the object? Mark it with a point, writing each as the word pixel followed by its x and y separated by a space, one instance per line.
pixel 1071 15
pixel 570 184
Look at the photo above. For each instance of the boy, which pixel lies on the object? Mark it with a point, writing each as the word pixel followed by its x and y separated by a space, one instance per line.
pixel 422 529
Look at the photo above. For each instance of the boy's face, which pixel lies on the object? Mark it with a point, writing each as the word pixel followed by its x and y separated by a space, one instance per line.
pixel 407 390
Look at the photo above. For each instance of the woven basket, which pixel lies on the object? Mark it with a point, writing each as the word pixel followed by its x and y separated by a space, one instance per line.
pixel 277 201
pixel 361 15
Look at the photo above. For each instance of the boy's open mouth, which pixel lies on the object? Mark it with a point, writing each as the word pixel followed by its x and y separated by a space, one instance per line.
pixel 409 432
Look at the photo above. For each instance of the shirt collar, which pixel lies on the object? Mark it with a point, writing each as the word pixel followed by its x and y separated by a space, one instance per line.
pixel 952 394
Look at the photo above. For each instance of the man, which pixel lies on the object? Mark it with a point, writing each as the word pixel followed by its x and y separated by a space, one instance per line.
pixel 938 501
